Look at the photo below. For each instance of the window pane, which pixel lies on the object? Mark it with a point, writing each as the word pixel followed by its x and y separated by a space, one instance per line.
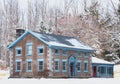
pixel 56 65
pixel 85 66
pixel 19 52
pixel 29 49
pixel 110 70
pixel 79 53
pixel 86 54
pixel 64 66
pixel 78 66
pixel 18 66
pixel 40 50
pixel 29 66
pixel 64 51
pixel 40 65
pixel 56 51
pixel 103 70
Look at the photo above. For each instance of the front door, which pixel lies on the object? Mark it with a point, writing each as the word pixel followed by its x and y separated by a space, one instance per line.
pixel 71 69
pixel 94 71
pixel 71 66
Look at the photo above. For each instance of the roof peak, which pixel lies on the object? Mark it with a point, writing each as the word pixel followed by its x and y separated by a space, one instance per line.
pixel 52 34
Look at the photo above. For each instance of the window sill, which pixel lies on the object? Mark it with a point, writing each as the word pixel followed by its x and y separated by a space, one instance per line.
pixel 78 71
pixel 29 55
pixel 40 54
pixel 19 55
pixel 86 56
pixel 29 71
pixel 64 71
pixel 86 71
pixel 79 56
pixel 64 54
pixel 18 71
pixel 56 70
pixel 56 54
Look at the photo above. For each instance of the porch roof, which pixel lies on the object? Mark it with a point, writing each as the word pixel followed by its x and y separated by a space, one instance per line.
pixel 96 60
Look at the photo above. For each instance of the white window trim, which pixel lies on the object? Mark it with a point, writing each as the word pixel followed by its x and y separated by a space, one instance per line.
pixel 87 66
pixel 28 60
pixel 58 65
pixel 39 60
pixel 40 47
pixel 18 48
pixel 65 65
pixel 20 65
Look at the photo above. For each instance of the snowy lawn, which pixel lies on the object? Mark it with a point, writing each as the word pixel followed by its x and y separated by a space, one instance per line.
pixel 62 81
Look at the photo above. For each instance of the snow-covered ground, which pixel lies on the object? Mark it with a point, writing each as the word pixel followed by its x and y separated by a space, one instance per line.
pixel 5 74
pixel 62 81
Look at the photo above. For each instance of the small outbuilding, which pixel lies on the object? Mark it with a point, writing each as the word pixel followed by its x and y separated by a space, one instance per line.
pixel 102 68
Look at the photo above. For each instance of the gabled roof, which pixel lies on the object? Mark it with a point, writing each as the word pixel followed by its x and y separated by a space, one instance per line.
pixel 100 61
pixel 53 40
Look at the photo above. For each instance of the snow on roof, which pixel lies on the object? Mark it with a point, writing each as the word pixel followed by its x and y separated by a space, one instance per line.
pixel 62 41
pixel 100 61
pixel 55 40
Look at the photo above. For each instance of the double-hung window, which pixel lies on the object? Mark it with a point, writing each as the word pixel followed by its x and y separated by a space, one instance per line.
pixel 85 66
pixel 18 51
pixel 29 48
pixel 40 50
pixel 63 65
pixel 86 54
pixel 56 61
pixel 79 54
pixel 18 65
pixel 78 66
pixel 29 65
pixel 64 52
pixel 40 65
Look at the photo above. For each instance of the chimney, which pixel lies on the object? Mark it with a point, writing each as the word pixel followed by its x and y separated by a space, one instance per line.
pixel 19 32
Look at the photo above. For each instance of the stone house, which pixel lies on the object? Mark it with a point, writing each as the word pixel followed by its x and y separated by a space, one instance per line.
pixel 63 56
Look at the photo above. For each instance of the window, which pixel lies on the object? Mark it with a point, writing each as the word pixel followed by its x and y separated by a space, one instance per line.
pixel 29 65
pixel 110 71
pixel 102 70
pixel 86 54
pixel 79 54
pixel 56 51
pixel 18 51
pixel 56 65
pixel 18 65
pixel 78 66
pixel 40 65
pixel 85 66
pixel 64 52
pixel 40 50
pixel 29 48
pixel 63 65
